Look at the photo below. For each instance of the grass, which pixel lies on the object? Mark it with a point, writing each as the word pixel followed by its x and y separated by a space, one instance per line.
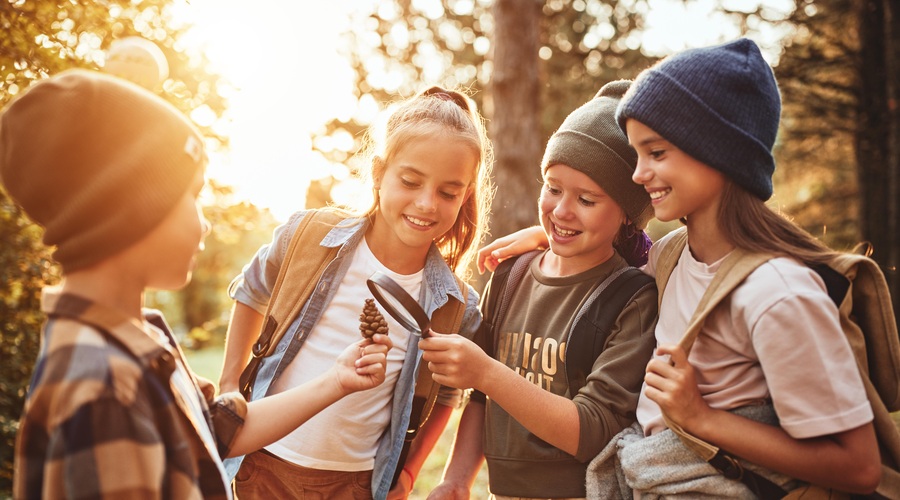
pixel 208 363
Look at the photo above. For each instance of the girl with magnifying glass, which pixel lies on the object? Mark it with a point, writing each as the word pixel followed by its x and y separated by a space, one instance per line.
pixel 431 179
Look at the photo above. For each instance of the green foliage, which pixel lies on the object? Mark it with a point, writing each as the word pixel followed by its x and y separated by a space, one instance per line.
pixel 25 266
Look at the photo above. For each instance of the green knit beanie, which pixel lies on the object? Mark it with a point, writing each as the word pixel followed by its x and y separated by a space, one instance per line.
pixel 590 141
pixel 97 161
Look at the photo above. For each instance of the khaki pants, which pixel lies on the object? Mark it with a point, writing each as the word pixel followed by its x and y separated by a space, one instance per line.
pixel 265 476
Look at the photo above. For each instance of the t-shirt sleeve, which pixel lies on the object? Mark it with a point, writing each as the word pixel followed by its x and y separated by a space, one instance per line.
pixel 809 367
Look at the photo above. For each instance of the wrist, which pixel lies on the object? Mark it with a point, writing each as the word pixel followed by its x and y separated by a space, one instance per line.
pixel 410 477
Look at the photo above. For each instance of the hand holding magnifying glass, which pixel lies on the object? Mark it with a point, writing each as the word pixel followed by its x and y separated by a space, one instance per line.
pixel 399 304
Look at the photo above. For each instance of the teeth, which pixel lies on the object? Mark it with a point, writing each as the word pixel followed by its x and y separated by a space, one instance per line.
pixel 563 232
pixel 655 195
pixel 419 222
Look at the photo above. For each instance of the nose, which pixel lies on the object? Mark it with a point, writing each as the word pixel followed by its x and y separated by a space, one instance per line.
pixel 563 208
pixel 426 200
pixel 642 173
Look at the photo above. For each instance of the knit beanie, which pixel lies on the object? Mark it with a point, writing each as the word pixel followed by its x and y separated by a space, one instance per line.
pixel 720 105
pixel 97 161
pixel 590 141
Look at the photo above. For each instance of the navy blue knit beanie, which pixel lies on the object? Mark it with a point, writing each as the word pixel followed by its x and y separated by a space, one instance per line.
pixel 718 104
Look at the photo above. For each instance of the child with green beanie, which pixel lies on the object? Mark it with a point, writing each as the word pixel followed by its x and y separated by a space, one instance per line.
pixel 113 173
pixel 771 380
pixel 539 413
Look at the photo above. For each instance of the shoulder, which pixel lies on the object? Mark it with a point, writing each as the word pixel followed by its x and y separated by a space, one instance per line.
pixel 781 283
pixel 661 247
pixel 80 367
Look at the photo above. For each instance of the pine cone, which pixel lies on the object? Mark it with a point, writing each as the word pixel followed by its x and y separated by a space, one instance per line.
pixel 371 321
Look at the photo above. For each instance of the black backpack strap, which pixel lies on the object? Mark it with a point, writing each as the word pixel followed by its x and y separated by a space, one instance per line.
pixel 595 320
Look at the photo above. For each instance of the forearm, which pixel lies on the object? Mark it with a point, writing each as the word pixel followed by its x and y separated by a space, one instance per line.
pixel 847 461
pixel 548 416
pixel 467 454
pixel 426 439
pixel 243 330
pixel 272 417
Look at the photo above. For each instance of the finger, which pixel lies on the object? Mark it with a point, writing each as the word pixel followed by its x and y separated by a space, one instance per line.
pixel 382 339
pixel 675 354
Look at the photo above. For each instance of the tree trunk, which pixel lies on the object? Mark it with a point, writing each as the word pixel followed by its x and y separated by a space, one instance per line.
pixel 513 108
pixel 878 138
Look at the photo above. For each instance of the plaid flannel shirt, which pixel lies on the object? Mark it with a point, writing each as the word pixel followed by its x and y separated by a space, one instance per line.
pixel 103 419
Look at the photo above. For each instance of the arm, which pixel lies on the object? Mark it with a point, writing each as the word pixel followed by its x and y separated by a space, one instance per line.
pixel 361 366
pixel 523 240
pixel 458 362
pixel 848 461
pixel 420 449
pixel 466 456
pixel 243 330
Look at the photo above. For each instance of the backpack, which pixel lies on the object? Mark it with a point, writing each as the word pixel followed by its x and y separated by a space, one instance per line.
pixel 857 286
pixel 297 279
pixel 592 323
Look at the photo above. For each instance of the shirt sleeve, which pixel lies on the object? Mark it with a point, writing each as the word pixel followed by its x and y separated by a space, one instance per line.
pixel 607 402
pixel 253 286
pixel 809 367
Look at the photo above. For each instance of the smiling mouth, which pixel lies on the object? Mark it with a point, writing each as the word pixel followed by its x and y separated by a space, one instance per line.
pixel 655 195
pixel 419 222
pixel 566 233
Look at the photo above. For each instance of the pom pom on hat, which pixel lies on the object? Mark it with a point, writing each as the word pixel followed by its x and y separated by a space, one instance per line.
pixel 720 105
pixel 590 141
pixel 97 161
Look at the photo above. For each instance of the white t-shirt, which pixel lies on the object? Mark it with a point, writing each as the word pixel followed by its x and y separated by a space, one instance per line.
pixel 344 436
pixel 776 337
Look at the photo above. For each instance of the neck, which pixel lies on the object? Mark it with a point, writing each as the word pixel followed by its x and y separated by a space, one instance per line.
pixel 707 243
pixel 396 256
pixel 558 266
pixel 105 286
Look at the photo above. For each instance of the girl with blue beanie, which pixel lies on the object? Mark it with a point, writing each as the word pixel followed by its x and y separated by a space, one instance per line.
pixel 771 379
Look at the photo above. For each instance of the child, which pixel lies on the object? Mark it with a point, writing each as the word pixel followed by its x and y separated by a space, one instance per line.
pixel 704 122
pixel 431 183
pixel 539 428
pixel 113 174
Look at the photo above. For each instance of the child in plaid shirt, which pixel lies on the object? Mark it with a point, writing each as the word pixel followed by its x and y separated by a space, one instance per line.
pixel 112 172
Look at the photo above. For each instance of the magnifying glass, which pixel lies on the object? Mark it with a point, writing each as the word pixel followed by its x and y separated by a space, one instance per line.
pixel 399 304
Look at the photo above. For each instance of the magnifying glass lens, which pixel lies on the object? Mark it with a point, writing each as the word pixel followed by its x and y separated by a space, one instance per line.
pixel 399 304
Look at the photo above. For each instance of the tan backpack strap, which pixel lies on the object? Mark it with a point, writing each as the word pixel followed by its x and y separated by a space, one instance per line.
pixel 731 273
pixel 303 264
pixel 446 319
pixel 668 259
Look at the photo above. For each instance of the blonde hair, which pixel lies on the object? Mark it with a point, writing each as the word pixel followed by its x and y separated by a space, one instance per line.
pixel 452 112
pixel 751 225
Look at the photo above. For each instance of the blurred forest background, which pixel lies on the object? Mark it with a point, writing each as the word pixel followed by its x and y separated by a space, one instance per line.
pixel 527 63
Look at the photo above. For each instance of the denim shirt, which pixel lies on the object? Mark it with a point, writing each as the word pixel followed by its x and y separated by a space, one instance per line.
pixel 253 288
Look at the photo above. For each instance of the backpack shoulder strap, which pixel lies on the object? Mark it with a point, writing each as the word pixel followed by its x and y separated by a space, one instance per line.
pixel 668 258
pixel 446 319
pixel 303 264
pixel 595 320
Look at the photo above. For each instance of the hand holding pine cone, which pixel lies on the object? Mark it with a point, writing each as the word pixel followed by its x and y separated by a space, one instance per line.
pixel 371 321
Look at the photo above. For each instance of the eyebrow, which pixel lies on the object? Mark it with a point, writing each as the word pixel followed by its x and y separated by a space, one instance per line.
pixel 580 190
pixel 422 174
pixel 648 140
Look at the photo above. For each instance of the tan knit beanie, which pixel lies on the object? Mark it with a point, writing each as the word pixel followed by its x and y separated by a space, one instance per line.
pixel 97 161
pixel 590 141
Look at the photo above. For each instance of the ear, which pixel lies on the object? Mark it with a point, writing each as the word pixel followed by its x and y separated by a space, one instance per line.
pixel 378 168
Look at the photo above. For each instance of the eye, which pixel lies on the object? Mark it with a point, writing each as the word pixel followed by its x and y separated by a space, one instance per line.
pixel 449 196
pixel 551 190
pixel 586 202
pixel 657 154
pixel 409 183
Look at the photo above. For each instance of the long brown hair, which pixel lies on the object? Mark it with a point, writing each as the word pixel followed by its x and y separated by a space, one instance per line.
pixel 452 112
pixel 751 225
